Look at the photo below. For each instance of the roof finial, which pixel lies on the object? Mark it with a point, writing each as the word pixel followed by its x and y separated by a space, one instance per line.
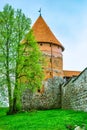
pixel 40 11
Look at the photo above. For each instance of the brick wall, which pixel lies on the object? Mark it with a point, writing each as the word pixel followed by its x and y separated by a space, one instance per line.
pixel 53 58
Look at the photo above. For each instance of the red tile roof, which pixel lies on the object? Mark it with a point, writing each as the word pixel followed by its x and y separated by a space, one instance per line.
pixel 43 33
pixel 69 73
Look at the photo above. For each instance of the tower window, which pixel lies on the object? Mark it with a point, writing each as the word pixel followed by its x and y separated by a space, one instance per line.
pixel 38 90
pixel 50 73
pixel 50 60
pixel 41 44
pixel 58 47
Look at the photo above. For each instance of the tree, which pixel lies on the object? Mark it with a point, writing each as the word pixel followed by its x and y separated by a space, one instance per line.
pixel 6 25
pixel 18 60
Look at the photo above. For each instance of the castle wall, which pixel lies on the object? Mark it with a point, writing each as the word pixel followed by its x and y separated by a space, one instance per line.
pixel 46 47
pixel 74 93
pixel 54 59
pixel 49 99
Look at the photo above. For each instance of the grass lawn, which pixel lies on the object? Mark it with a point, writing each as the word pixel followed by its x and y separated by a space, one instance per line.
pixel 42 120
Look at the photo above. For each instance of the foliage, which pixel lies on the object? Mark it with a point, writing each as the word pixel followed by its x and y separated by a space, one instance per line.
pixel 42 120
pixel 14 63
pixel 30 63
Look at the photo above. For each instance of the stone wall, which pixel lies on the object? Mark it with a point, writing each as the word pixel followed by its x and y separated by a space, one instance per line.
pixel 49 99
pixel 74 93
pixel 69 95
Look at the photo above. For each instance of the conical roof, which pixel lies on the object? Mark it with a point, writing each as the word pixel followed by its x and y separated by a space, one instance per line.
pixel 43 33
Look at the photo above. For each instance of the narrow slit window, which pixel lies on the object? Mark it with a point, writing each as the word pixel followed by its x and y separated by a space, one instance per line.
pixel 41 44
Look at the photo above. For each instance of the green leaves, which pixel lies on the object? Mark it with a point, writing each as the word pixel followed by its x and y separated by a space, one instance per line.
pixel 30 62
pixel 20 63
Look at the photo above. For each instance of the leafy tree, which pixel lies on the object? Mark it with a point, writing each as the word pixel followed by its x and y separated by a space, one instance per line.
pixel 19 62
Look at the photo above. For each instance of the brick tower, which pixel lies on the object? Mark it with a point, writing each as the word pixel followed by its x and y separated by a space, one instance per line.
pixel 52 49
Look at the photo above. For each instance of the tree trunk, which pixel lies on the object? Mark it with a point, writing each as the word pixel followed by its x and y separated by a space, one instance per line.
pixel 9 96
pixel 16 95
pixel 8 78
pixel 16 101
pixel 9 89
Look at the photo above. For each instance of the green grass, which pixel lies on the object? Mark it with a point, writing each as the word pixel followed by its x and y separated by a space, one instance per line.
pixel 42 120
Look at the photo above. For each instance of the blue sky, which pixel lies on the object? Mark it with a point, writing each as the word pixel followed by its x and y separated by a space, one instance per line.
pixel 68 21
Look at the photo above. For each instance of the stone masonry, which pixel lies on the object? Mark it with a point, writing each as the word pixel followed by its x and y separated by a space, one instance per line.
pixel 74 93
pixel 49 99
pixel 57 94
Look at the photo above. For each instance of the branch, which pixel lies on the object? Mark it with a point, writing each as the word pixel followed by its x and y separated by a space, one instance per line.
pixel 21 76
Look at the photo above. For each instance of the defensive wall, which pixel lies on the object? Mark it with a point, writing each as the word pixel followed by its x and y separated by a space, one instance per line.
pixel 59 94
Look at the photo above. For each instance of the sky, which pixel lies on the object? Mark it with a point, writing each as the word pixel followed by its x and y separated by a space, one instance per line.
pixel 67 19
